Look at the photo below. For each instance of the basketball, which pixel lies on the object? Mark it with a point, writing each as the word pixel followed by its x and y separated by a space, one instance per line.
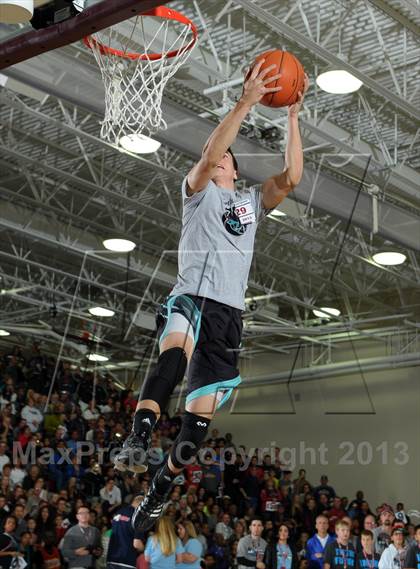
pixel 291 81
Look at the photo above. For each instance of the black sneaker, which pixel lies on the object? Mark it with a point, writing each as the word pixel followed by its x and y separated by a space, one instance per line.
pixel 133 456
pixel 149 511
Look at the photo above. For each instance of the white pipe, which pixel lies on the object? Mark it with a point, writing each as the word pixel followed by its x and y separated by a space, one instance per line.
pixel 329 370
pixel 224 85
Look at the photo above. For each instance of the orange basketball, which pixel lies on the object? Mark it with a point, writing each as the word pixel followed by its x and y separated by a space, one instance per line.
pixel 291 81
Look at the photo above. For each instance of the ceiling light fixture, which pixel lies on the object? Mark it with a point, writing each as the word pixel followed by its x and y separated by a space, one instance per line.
pixel 277 213
pixel 389 258
pixel 4 333
pixel 326 312
pixel 101 311
pixel 139 144
pixel 338 82
pixel 97 358
pixel 119 245
pixel 16 11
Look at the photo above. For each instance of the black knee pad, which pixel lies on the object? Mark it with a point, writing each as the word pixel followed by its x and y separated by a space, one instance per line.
pixel 168 372
pixel 193 433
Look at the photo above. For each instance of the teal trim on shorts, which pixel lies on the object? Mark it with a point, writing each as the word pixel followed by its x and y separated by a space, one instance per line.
pixel 228 384
pixel 169 305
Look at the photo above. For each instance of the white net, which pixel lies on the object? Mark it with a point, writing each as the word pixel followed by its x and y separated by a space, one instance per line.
pixel 136 59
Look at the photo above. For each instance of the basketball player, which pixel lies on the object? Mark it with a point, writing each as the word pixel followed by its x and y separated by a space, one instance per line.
pixel 200 322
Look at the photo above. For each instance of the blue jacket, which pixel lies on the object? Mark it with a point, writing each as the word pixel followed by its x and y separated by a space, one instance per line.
pixel 313 548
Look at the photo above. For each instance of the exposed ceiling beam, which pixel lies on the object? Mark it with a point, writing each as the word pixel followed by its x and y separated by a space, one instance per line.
pixel 398 16
pixel 189 136
pixel 279 27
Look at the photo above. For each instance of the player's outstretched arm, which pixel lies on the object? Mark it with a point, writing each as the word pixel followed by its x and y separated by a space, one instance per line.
pixel 225 133
pixel 276 188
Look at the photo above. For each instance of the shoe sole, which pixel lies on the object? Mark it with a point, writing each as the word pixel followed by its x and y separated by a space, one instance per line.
pixel 136 468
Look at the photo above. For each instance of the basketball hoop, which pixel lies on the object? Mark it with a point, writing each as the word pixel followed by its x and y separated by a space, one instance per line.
pixel 137 58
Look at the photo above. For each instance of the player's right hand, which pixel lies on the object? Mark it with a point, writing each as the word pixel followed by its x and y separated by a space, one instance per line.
pixel 255 83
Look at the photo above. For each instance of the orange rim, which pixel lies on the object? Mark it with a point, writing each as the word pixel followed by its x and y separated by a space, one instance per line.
pixel 159 12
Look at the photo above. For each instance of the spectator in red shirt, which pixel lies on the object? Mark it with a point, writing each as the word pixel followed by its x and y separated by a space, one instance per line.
pixel 130 401
pixel 255 469
pixel 270 499
pixel 48 553
pixel 193 474
pixel 336 513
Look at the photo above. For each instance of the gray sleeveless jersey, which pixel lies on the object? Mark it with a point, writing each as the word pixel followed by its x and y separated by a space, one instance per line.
pixel 217 242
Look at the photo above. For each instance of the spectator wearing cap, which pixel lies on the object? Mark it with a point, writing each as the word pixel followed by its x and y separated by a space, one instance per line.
pixel 393 557
pixel 382 534
pixel 324 488
pixel 412 560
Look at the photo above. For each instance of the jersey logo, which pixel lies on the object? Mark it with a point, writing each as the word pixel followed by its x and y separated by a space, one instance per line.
pixel 232 222
pixel 200 424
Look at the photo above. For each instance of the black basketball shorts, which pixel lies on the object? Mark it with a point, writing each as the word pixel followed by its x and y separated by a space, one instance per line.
pixel 216 329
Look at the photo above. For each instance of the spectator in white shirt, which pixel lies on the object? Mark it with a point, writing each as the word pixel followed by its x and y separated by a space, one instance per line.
pixel 31 413
pixel 4 459
pixel 111 496
pixel 393 557
pixel 91 413
pixel 224 527
pixel 18 473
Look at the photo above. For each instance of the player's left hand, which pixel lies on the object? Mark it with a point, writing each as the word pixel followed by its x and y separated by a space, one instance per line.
pixel 293 110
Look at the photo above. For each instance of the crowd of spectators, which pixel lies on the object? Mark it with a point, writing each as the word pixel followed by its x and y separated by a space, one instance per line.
pixel 60 496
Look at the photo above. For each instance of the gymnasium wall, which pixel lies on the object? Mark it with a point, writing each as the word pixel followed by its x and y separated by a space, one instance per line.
pixel 368 430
